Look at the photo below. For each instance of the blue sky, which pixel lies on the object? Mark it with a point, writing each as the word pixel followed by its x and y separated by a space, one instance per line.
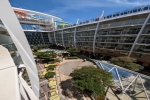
pixel 71 10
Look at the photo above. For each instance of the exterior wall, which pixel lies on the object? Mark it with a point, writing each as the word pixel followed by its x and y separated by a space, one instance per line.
pixel 114 37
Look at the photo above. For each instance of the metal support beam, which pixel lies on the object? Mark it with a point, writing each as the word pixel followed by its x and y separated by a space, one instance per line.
pixel 55 38
pixel 144 88
pixel 101 65
pixel 119 78
pixel 62 34
pixel 140 32
pixel 95 37
pixel 111 69
pixel 130 83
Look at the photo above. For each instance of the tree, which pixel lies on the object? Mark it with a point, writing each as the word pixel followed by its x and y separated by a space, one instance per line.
pixel 49 74
pixel 46 55
pixel 73 51
pixel 126 62
pixel 91 79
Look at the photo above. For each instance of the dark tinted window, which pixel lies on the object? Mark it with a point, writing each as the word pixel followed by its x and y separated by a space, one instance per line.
pixel 125 12
pixel 135 10
pixel 145 8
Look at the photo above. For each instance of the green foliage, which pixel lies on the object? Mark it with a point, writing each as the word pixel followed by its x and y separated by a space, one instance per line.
pixel 35 48
pixel 73 57
pixel 51 67
pixel 52 61
pixel 38 47
pixel 126 62
pixel 91 79
pixel 46 55
pixel 49 74
pixel 73 51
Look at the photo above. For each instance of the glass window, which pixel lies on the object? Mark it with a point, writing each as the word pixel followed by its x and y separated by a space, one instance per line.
pixel 130 11
pixel 139 9
pixel 145 8
pixel 121 13
pixel 135 10
pixel 125 12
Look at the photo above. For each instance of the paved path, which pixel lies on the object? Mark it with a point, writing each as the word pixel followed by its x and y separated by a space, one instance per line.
pixel 69 66
pixel 63 71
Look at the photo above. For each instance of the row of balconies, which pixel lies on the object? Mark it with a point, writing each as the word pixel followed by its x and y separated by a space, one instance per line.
pixel 144 41
pixel 33 20
pixel 45 29
pixel 115 40
pixel 87 40
pixel 124 23
pixel 92 34
pixel 119 32
pixel 142 50
pixel 86 28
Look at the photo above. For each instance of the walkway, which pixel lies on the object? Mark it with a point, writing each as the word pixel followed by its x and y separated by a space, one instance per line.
pixel 63 71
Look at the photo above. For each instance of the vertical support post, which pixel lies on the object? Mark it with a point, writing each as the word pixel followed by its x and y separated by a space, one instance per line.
pixel 62 34
pixel 95 37
pixel 119 78
pixel 140 32
pixel 50 38
pixel 42 37
pixel 75 35
pixel 55 38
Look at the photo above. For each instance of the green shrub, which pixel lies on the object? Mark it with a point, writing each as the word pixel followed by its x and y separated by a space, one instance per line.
pixel 73 57
pixel 49 74
pixel 73 51
pixel 126 62
pixel 56 60
pixel 51 67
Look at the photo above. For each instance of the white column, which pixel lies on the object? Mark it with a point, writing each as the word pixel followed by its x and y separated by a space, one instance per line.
pixel 95 37
pixel 140 32
pixel 63 38
pixel 75 36
pixel 55 38
pixel 49 37
pixel 15 31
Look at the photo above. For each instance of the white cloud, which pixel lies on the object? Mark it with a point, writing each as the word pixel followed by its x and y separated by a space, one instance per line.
pixel 83 5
